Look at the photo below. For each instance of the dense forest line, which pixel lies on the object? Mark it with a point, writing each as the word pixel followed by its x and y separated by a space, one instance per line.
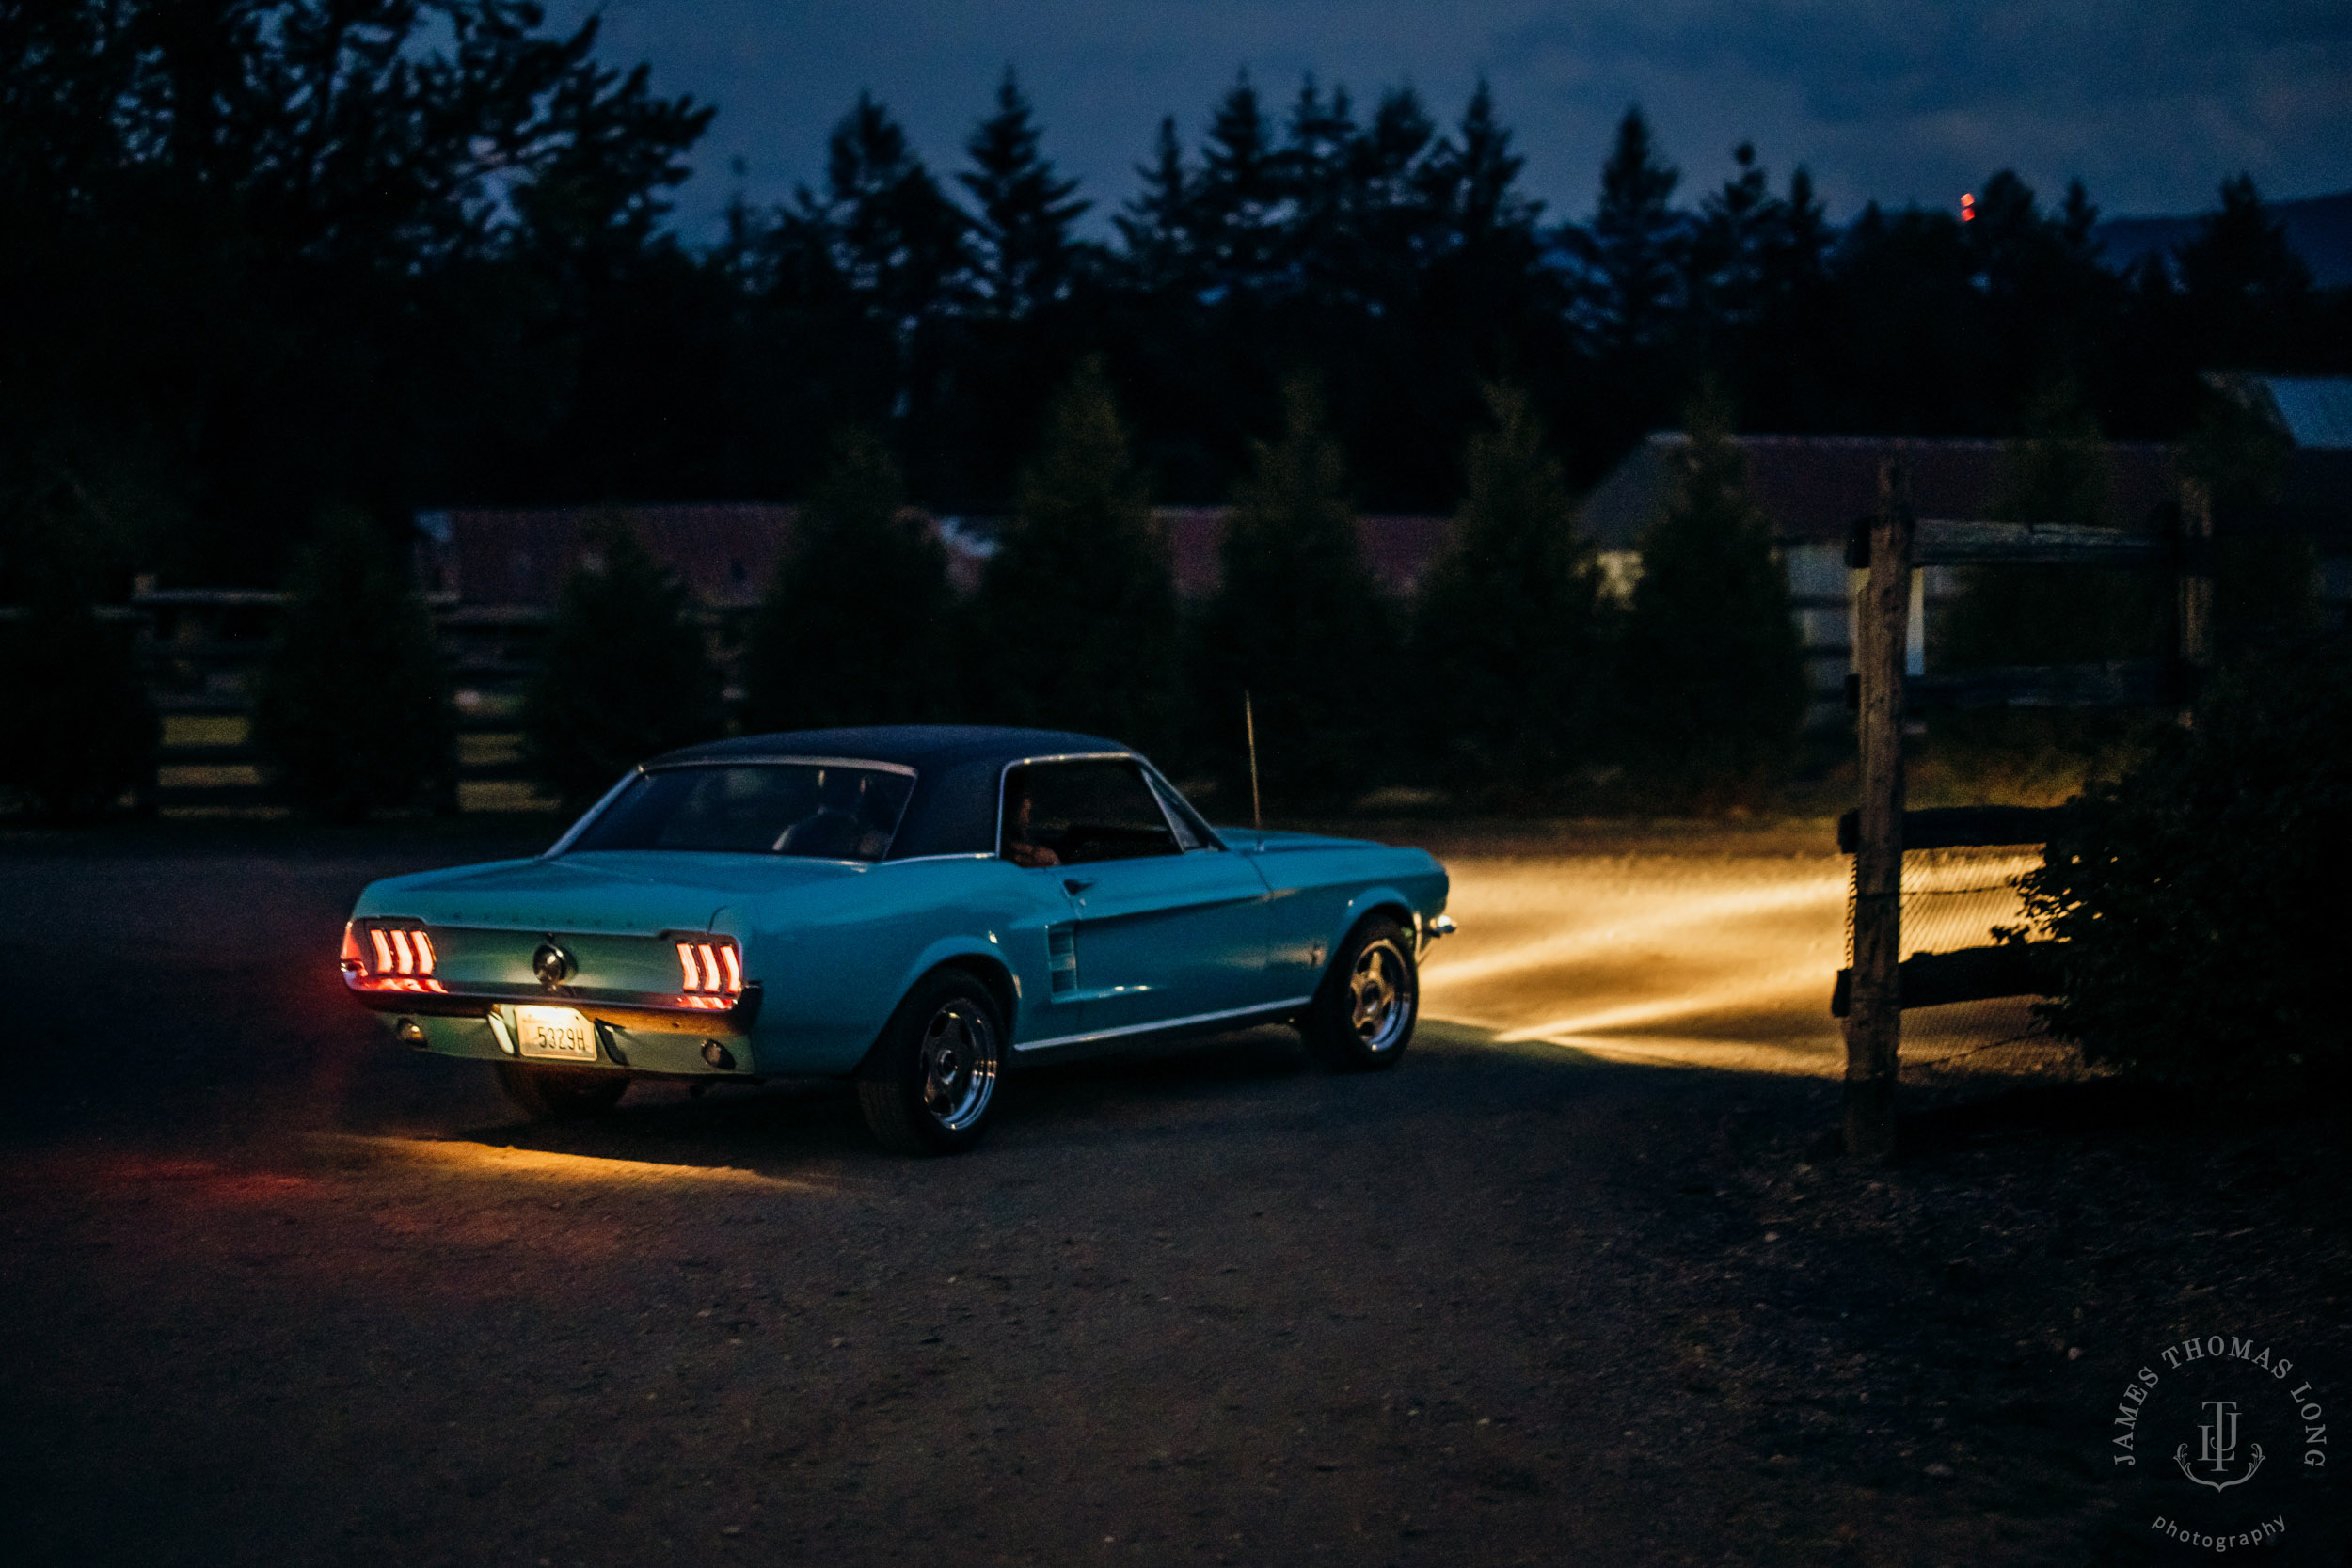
pixel 273 257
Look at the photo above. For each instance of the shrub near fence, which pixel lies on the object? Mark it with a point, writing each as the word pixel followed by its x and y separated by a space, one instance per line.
pixel 2198 899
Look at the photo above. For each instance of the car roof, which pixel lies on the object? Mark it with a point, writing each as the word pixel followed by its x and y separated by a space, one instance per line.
pixel 909 745
pixel 953 808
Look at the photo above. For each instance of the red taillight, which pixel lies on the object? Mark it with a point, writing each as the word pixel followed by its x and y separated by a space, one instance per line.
pixel 403 959
pixel 711 967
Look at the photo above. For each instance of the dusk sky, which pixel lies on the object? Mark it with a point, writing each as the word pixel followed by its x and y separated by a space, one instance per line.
pixel 2150 102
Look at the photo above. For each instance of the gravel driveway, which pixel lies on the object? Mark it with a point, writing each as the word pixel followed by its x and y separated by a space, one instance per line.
pixel 277 1292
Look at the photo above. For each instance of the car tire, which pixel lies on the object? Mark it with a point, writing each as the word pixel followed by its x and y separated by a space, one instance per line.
pixel 1363 1014
pixel 930 1084
pixel 561 1094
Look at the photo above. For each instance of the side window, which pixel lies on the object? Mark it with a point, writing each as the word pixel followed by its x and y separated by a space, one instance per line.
pixel 1070 813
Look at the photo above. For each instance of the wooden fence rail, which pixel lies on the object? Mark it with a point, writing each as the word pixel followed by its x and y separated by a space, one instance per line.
pixel 200 650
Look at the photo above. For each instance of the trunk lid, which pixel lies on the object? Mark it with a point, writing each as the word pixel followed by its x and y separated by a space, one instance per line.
pixel 621 891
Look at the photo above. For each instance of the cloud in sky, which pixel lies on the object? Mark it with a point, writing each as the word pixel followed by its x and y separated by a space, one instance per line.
pixel 2150 102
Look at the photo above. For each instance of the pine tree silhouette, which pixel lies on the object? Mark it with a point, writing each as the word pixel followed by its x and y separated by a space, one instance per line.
pixel 1022 248
pixel 625 671
pixel 1711 669
pixel 352 715
pixel 860 625
pixel 1079 610
pixel 1300 626
pixel 1507 641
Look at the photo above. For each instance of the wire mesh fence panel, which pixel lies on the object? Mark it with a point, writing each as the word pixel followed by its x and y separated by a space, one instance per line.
pixel 1954 900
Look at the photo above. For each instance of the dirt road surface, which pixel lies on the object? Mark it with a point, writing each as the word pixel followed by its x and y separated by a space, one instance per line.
pixel 275 1291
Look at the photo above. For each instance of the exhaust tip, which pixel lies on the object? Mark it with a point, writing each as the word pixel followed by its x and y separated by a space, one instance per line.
pixel 718 1055
pixel 409 1031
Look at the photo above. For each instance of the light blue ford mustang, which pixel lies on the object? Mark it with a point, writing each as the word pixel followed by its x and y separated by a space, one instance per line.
pixel 913 907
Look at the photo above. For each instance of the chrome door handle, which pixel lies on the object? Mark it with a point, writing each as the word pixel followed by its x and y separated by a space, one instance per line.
pixel 1076 884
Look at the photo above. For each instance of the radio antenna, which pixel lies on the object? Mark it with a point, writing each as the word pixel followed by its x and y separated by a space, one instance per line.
pixel 1249 724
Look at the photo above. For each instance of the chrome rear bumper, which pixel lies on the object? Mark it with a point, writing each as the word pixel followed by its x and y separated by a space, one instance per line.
pixel 642 1012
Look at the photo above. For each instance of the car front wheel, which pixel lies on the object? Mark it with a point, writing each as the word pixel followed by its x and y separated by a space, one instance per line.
pixel 561 1094
pixel 1362 1017
pixel 929 1083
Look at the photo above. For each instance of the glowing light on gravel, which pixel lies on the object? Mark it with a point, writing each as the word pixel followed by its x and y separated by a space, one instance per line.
pixel 495 1160
pixel 1705 959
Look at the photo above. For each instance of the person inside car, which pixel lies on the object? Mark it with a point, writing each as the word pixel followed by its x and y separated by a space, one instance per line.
pixel 1020 848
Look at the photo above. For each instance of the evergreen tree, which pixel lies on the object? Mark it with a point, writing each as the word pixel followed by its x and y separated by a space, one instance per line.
pixel 1634 251
pixel 1903 292
pixel 1079 610
pixel 858 626
pixel 881 236
pixel 1238 198
pixel 2246 296
pixel 1738 240
pixel 2047 302
pixel 1023 252
pixel 1299 624
pixel 1392 231
pixel 1506 642
pixel 2265 584
pixel 1712 670
pixel 625 672
pixel 1317 170
pixel 1159 230
pixel 1483 173
pixel 76 729
pixel 2059 471
pixel 2240 255
pixel 353 714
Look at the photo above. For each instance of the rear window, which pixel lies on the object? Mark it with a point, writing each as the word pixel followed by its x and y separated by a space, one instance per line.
pixel 817 811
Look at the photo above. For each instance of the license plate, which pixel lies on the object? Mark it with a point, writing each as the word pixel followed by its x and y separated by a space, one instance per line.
pixel 554 1032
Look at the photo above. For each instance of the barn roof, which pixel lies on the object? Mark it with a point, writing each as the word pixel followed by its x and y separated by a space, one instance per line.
pixel 2313 412
pixel 723 553
pixel 1814 487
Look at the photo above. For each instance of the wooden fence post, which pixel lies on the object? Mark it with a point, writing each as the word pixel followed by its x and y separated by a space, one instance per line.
pixel 1874 1017
pixel 2195 622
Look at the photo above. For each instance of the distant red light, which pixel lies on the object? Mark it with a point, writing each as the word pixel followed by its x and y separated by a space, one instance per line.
pixel 1967 207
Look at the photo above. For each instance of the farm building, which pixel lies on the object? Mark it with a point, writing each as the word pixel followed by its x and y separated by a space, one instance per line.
pixel 1814 488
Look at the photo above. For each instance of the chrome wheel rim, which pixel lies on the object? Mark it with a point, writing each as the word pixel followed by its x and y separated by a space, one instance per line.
pixel 1380 996
pixel 958 1064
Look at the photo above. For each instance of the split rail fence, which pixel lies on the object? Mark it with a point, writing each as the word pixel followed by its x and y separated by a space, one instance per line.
pixel 1871 994
pixel 200 652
